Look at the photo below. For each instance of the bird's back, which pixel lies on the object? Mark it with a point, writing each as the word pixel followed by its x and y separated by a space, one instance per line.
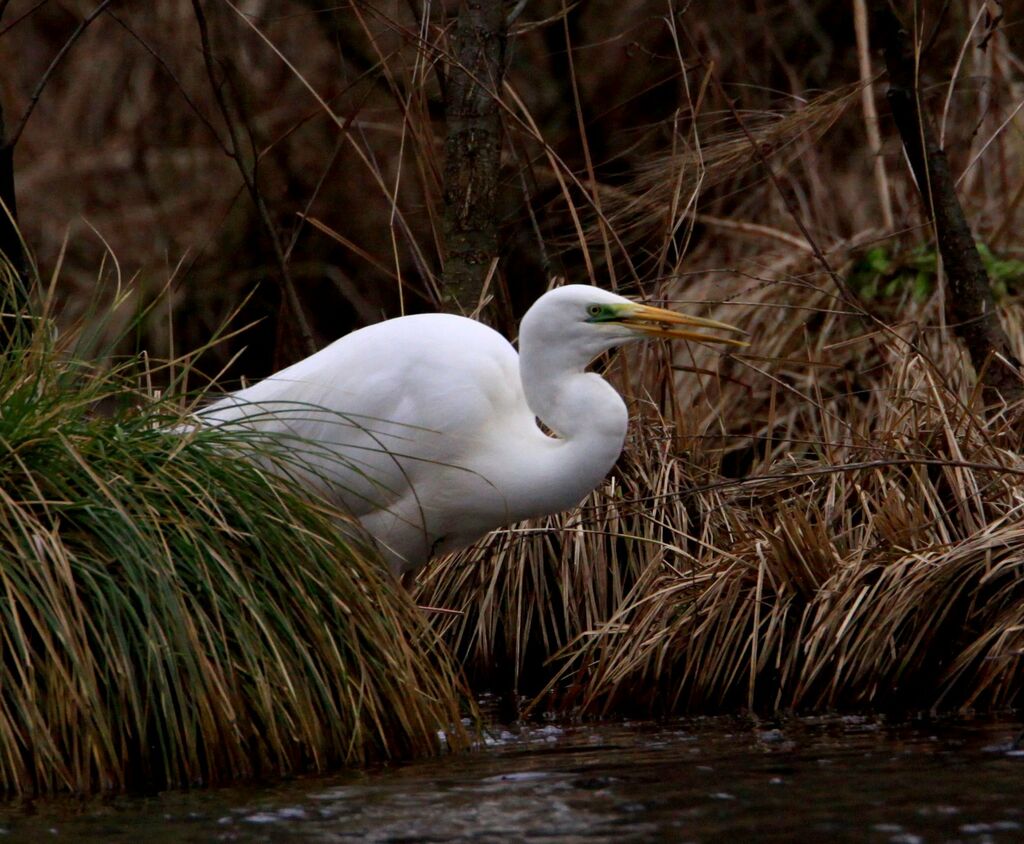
pixel 384 416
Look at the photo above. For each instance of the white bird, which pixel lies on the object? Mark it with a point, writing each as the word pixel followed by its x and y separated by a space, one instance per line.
pixel 424 428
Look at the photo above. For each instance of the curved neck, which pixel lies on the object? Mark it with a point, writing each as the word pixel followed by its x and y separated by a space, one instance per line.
pixel 587 415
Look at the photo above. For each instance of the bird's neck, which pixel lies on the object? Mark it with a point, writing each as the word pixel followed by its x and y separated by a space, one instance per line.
pixel 583 410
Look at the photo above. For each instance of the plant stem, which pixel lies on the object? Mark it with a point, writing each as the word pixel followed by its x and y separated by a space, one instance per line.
pixel 247 167
pixel 860 21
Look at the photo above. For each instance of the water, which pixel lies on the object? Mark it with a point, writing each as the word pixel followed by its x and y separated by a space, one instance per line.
pixel 707 780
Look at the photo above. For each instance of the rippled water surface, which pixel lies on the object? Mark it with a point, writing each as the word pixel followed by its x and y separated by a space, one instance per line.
pixel 709 780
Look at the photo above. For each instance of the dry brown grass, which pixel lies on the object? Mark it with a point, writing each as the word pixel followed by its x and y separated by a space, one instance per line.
pixel 869 554
pixel 829 520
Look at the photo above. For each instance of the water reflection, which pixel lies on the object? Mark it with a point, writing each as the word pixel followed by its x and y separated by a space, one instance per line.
pixel 704 780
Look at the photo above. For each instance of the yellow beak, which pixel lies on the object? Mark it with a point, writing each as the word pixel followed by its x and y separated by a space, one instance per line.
pixel 658 322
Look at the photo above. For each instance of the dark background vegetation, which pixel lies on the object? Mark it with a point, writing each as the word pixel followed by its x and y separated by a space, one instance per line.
pixel 123 179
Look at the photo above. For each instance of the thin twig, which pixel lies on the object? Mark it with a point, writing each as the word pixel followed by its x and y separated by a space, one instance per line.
pixel 756 229
pixel 41 84
pixel 20 18
pixel 177 83
pixel 248 173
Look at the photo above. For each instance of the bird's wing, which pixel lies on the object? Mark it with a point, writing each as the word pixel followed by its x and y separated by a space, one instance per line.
pixel 375 414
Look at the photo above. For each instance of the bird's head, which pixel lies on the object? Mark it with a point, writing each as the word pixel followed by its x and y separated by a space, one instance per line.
pixel 593 320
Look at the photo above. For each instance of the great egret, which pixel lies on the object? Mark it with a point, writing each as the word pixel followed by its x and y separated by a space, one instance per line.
pixel 425 427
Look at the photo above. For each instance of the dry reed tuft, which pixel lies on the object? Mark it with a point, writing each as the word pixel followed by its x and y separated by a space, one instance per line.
pixel 857 544
pixel 828 520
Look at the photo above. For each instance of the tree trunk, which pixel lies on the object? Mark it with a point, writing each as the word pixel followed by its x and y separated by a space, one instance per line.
pixel 970 307
pixel 472 150
pixel 14 275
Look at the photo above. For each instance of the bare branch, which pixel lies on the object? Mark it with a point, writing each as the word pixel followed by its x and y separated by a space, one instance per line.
pixel 970 306
pixel 23 16
pixel 45 78
pixel 177 82
pixel 247 169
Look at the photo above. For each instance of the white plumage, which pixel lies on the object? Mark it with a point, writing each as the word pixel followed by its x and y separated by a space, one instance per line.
pixel 424 427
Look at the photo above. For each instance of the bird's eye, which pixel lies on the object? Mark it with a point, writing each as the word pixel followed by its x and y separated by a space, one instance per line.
pixel 594 310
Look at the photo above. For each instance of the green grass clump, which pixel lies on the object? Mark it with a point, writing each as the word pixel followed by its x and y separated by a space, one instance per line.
pixel 881 274
pixel 172 614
